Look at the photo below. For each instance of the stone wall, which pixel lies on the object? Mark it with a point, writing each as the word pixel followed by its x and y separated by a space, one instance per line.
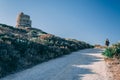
pixel 23 20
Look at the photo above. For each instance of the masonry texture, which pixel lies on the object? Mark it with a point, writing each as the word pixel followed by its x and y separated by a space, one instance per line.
pixel 23 20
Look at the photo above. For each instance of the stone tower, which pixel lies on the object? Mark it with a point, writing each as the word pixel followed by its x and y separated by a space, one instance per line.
pixel 23 20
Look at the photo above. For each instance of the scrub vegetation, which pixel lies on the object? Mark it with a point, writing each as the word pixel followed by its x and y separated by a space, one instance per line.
pixel 22 48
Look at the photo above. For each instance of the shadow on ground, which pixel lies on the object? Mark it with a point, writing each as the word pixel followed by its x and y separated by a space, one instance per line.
pixel 65 68
pixel 89 59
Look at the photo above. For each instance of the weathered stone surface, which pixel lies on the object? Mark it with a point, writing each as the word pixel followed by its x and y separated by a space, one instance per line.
pixel 23 20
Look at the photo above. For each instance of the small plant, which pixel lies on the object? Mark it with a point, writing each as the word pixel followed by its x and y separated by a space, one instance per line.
pixel 113 51
pixel 109 52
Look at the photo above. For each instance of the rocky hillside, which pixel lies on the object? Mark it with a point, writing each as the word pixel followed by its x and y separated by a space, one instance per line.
pixel 21 48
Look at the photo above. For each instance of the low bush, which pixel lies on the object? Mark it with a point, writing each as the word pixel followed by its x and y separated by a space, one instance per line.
pixel 29 48
pixel 113 51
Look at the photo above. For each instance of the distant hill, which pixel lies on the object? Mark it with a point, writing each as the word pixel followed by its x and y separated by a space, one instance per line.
pixel 21 48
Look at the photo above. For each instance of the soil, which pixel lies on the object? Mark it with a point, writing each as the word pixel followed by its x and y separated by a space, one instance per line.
pixel 113 68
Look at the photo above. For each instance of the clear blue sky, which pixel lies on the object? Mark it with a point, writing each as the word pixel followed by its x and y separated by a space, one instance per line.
pixel 88 20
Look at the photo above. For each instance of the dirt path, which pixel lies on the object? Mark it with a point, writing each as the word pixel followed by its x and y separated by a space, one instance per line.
pixel 86 64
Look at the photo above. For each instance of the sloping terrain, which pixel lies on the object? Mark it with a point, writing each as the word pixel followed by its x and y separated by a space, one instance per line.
pixel 21 48
pixel 85 64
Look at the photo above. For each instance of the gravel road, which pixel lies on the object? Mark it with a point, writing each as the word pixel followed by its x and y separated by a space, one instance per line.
pixel 85 64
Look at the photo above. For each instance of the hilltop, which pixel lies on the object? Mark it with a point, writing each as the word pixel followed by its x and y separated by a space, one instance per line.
pixel 21 48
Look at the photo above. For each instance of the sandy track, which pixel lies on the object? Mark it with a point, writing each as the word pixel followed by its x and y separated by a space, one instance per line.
pixel 85 64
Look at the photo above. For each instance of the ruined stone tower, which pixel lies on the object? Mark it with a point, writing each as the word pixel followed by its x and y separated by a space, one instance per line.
pixel 23 20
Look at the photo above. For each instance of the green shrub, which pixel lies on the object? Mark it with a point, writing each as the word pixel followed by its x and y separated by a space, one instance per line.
pixel 23 48
pixel 109 52
pixel 113 51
